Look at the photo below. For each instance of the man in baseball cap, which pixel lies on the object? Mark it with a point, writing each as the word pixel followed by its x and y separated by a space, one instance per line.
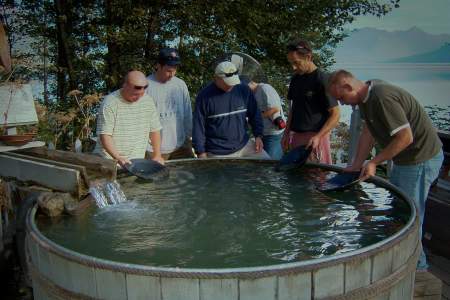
pixel 227 72
pixel 172 100
pixel 223 111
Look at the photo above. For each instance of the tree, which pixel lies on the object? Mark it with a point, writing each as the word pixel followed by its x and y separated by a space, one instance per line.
pixel 89 45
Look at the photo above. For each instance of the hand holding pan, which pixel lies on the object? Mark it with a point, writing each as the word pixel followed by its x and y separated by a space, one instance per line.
pixel 295 158
pixel 147 169
pixel 340 182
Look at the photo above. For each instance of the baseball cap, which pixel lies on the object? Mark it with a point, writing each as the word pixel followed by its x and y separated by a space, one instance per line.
pixel 169 56
pixel 228 72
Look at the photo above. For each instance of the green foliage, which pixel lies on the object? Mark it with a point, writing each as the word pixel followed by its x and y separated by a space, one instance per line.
pixel 89 45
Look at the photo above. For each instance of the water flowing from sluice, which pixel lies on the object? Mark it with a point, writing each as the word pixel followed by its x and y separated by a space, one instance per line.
pixel 107 193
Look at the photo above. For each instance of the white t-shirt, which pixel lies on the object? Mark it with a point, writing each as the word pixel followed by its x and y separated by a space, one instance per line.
pixel 267 97
pixel 129 124
pixel 175 112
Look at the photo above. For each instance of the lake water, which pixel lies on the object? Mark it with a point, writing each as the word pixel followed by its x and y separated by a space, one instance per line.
pixel 429 83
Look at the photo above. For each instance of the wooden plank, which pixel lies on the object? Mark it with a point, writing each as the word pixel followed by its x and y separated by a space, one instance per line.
pixel 110 285
pixel 60 274
pixel 295 287
pixel 357 274
pixel 33 144
pixel 56 178
pixel 427 285
pixel 219 289
pixel 84 279
pixel 403 290
pixel 143 287
pixel 382 265
pixel 329 281
pixel 95 165
pixel 180 288
pixel 81 169
pixel 44 265
pixel 258 289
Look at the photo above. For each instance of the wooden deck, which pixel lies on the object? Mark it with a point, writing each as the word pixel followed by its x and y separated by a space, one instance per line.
pixel 437 243
pixel 439 267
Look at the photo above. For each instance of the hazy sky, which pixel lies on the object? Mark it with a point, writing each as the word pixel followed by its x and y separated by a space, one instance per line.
pixel 432 16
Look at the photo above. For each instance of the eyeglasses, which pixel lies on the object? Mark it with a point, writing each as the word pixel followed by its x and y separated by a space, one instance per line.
pixel 140 87
pixel 230 74
pixel 171 58
pixel 298 48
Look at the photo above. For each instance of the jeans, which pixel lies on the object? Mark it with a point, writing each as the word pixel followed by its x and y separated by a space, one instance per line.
pixel 272 145
pixel 415 182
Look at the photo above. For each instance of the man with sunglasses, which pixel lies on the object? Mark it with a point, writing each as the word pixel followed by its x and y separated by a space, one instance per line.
pixel 126 119
pixel 312 113
pixel 223 110
pixel 173 103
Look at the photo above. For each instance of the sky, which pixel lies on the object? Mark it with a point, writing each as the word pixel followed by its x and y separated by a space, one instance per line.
pixel 432 16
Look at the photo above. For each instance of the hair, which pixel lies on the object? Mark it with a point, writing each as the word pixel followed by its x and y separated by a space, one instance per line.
pixel 336 76
pixel 300 46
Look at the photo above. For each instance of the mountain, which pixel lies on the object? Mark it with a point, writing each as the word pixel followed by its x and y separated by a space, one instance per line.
pixel 441 55
pixel 370 45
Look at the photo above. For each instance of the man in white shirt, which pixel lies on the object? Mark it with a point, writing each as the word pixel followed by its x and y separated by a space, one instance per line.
pixel 173 103
pixel 127 118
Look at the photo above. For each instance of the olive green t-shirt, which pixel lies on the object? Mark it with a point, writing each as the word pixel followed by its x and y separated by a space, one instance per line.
pixel 389 109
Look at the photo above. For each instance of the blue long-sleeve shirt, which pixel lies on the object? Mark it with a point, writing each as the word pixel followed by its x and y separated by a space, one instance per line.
pixel 220 119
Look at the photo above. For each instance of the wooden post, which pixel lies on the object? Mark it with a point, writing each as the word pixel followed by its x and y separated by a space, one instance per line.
pixel 355 130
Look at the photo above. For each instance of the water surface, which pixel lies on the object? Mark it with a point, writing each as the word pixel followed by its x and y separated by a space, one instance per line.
pixel 231 214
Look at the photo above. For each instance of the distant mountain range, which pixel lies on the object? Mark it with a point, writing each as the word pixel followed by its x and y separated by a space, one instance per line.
pixel 441 55
pixel 370 45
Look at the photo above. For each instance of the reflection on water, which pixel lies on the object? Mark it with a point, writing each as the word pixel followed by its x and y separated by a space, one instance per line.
pixel 231 214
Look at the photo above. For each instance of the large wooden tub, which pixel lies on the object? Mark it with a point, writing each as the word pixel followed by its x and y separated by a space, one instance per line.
pixel 384 270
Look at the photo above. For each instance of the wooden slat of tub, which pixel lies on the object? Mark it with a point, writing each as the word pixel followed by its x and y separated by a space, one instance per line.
pixel 404 289
pixel 84 279
pixel 60 274
pixel 328 281
pixel 357 274
pixel 382 297
pixel 33 251
pixel 44 262
pixel 258 289
pixel 403 250
pixel 382 265
pixel 295 287
pixel 143 287
pixel 110 285
pixel 38 292
pixel 219 289
pixel 179 288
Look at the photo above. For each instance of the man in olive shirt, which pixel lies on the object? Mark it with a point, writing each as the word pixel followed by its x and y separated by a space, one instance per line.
pixel 395 120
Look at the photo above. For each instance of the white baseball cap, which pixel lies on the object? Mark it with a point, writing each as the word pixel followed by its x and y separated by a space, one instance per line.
pixel 228 72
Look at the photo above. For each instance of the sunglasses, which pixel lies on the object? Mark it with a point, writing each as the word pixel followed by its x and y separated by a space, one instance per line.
pixel 140 87
pixel 230 74
pixel 171 58
pixel 298 48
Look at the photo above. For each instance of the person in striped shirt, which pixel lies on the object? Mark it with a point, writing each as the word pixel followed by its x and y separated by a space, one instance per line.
pixel 127 118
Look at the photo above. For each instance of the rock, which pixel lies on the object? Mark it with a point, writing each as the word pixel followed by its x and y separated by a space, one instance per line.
pixel 51 204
